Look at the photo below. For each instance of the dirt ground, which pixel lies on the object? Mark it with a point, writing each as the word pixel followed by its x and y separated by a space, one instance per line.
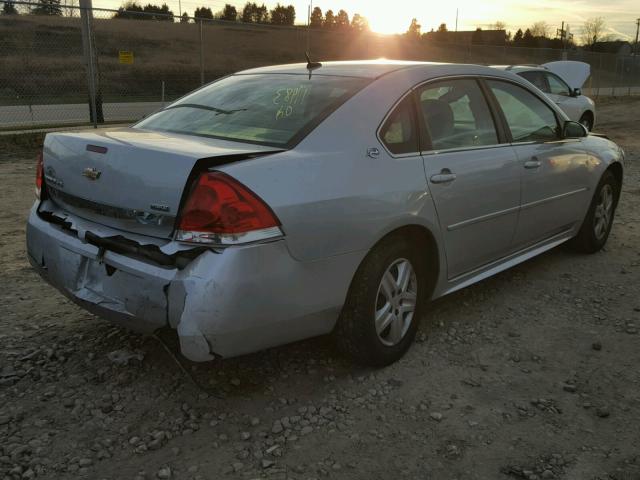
pixel 531 374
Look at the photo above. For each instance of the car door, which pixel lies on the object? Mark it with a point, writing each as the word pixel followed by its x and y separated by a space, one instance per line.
pixel 560 94
pixel 554 171
pixel 473 177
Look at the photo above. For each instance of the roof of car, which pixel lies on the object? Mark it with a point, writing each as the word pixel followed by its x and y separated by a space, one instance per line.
pixel 354 68
pixel 521 68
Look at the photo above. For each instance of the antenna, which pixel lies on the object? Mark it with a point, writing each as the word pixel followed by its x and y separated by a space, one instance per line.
pixel 311 65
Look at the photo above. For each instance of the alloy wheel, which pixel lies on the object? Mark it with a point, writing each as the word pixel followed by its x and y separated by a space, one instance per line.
pixel 396 302
pixel 603 212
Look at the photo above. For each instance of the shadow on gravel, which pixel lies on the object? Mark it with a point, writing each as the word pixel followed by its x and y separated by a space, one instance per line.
pixel 87 344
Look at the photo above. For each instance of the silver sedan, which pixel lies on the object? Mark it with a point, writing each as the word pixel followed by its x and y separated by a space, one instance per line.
pixel 291 201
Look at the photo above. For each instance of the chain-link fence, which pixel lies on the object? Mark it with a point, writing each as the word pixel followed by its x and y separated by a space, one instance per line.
pixel 83 66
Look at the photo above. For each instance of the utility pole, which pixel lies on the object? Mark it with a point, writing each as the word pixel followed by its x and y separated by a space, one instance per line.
pixel 456 19
pixel 309 27
pixel 201 52
pixel 635 49
pixel 563 35
pixel 86 17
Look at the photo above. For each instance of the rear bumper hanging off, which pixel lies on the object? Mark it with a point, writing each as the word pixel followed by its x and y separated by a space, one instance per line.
pixel 225 302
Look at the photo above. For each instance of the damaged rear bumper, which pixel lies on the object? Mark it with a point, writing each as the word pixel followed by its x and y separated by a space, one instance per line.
pixel 221 302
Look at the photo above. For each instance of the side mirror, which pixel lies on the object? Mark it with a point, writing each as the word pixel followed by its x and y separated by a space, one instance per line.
pixel 576 92
pixel 573 130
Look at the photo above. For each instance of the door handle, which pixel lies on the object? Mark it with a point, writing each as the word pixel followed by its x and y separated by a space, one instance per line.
pixel 533 163
pixel 445 176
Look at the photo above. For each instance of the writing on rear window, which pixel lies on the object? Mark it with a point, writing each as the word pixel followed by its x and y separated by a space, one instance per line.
pixel 287 99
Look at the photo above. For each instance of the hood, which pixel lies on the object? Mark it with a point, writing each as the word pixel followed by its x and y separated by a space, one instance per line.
pixel 572 72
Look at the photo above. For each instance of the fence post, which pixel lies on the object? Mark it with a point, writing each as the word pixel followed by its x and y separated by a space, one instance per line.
pixel 89 59
pixel 631 71
pixel 201 54
pixel 599 76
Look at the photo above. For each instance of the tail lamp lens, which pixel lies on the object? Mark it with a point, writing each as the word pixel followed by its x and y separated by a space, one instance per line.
pixel 220 210
pixel 39 175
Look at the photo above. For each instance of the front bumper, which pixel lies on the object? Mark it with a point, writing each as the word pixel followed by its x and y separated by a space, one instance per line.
pixel 224 302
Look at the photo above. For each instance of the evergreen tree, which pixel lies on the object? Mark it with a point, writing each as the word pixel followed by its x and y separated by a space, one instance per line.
pixel 329 19
pixel 229 13
pixel 252 13
pixel 527 39
pixel 517 38
pixel 247 12
pixel 282 15
pixel 359 23
pixel 130 10
pixel 48 7
pixel 203 13
pixel 316 18
pixel 158 13
pixel 9 8
pixel 342 19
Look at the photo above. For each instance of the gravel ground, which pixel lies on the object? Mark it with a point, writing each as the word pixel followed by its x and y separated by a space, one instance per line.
pixel 532 374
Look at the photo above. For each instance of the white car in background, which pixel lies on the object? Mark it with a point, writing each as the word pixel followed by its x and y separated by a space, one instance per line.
pixel 562 82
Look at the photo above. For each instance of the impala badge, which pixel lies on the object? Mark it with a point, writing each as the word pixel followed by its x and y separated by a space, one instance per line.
pixel 51 178
pixel 91 173
pixel 159 206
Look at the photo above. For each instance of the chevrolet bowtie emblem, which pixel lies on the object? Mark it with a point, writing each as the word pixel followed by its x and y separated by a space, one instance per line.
pixel 91 173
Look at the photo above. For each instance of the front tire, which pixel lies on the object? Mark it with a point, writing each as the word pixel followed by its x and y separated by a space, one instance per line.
pixel 596 226
pixel 380 317
pixel 587 120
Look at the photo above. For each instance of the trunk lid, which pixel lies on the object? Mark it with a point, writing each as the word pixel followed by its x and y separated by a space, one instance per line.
pixel 127 178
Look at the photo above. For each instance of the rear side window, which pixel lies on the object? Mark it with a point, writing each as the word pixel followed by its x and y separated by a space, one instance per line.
pixel 528 117
pixel 557 86
pixel 268 109
pixel 456 115
pixel 537 78
pixel 399 133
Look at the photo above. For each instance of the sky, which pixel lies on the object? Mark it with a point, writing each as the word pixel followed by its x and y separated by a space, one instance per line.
pixel 394 16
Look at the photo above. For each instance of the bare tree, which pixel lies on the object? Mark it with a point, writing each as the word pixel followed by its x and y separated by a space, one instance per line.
pixel 592 31
pixel 540 29
pixel 499 25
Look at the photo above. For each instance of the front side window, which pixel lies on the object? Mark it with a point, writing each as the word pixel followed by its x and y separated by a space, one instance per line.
pixel 268 109
pixel 399 133
pixel 537 78
pixel 557 86
pixel 528 117
pixel 456 115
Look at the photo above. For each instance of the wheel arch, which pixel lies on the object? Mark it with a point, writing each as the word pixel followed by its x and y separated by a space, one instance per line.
pixel 589 113
pixel 420 235
pixel 616 169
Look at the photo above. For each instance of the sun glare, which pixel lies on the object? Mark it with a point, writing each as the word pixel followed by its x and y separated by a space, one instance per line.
pixel 384 20
pixel 396 19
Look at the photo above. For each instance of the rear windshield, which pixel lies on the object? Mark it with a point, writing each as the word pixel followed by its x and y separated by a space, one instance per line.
pixel 269 109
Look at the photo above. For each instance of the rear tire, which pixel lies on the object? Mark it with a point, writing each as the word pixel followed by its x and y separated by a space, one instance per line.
pixel 380 317
pixel 595 229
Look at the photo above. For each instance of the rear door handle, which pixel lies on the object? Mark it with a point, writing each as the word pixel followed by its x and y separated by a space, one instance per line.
pixel 533 163
pixel 445 176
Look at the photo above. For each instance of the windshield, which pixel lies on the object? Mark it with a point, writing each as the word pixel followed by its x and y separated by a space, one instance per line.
pixel 269 109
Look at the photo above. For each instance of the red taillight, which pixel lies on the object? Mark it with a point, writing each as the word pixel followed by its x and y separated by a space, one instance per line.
pixel 220 209
pixel 39 174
